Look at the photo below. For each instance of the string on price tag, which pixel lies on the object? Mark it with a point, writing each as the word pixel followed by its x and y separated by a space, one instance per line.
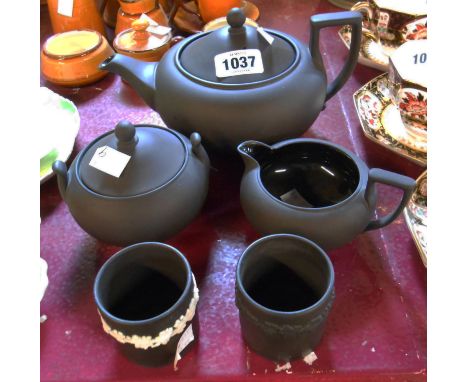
pixel 268 38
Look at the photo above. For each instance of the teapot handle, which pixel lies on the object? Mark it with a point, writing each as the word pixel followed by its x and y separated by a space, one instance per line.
pixel 317 22
pixel 377 175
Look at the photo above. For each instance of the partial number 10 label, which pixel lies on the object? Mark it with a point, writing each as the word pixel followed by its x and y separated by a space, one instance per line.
pixel 238 63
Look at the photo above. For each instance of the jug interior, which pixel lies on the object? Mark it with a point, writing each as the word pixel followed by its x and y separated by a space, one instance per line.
pixel 284 275
pixel 309 174
pixel 143 288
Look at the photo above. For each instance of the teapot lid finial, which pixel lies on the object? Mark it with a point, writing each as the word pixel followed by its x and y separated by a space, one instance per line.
pixel 126 137
pixel 236 18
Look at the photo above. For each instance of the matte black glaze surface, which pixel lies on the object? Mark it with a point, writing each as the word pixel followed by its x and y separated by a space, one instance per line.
pixel 281 104
pixel 134 302
pixel 157 154
pixel 197 57
pixel 284 292
pixel 153 215
pixel 315 189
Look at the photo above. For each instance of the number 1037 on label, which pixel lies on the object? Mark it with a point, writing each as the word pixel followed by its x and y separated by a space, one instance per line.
pixel 238 62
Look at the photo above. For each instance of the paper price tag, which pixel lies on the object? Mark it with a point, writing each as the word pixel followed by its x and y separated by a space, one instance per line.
pixel 109 160
pixel 65 7
pixel 238 63
pixel 154 27
pixel 184 341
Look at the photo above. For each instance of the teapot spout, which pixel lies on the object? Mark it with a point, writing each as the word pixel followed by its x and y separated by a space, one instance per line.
pixel 139 74
pixel 253 153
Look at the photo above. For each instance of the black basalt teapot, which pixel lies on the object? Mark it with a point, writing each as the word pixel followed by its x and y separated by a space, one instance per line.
pixel 238 82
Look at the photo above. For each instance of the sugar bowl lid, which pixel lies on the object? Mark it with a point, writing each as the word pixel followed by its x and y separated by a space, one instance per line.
pixel 269 53
pixel 157 154
pixel 139 38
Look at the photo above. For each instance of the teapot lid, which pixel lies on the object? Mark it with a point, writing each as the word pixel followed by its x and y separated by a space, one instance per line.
pixel 237 53
pixel 156 153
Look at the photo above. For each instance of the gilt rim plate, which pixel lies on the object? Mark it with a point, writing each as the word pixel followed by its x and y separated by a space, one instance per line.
pixel 416 216
pixel 372 103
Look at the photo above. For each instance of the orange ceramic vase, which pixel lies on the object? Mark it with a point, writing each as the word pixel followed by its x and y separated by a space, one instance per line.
pixel 84 15
pixel 72 58
pixel 110 12
pixel 131 10
pixel 212 9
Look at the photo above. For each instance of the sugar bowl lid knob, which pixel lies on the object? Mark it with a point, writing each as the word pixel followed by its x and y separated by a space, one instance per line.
pixel 125 132
pixel 236 18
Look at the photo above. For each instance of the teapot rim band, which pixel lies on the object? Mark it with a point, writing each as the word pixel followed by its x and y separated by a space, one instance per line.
pixel 247 85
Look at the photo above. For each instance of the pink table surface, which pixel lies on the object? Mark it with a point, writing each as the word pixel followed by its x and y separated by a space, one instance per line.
pixel 377 328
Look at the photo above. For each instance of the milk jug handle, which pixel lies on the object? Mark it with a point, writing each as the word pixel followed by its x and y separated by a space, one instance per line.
pixel 406 184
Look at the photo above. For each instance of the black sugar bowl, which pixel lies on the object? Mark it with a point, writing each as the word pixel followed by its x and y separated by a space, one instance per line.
pixel 161 189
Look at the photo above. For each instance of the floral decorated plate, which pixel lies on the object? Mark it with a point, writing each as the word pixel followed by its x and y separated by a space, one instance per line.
pixel 372 53
pixel 381 121
pixel 416 30
pixel 416 216
pixel 59 121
